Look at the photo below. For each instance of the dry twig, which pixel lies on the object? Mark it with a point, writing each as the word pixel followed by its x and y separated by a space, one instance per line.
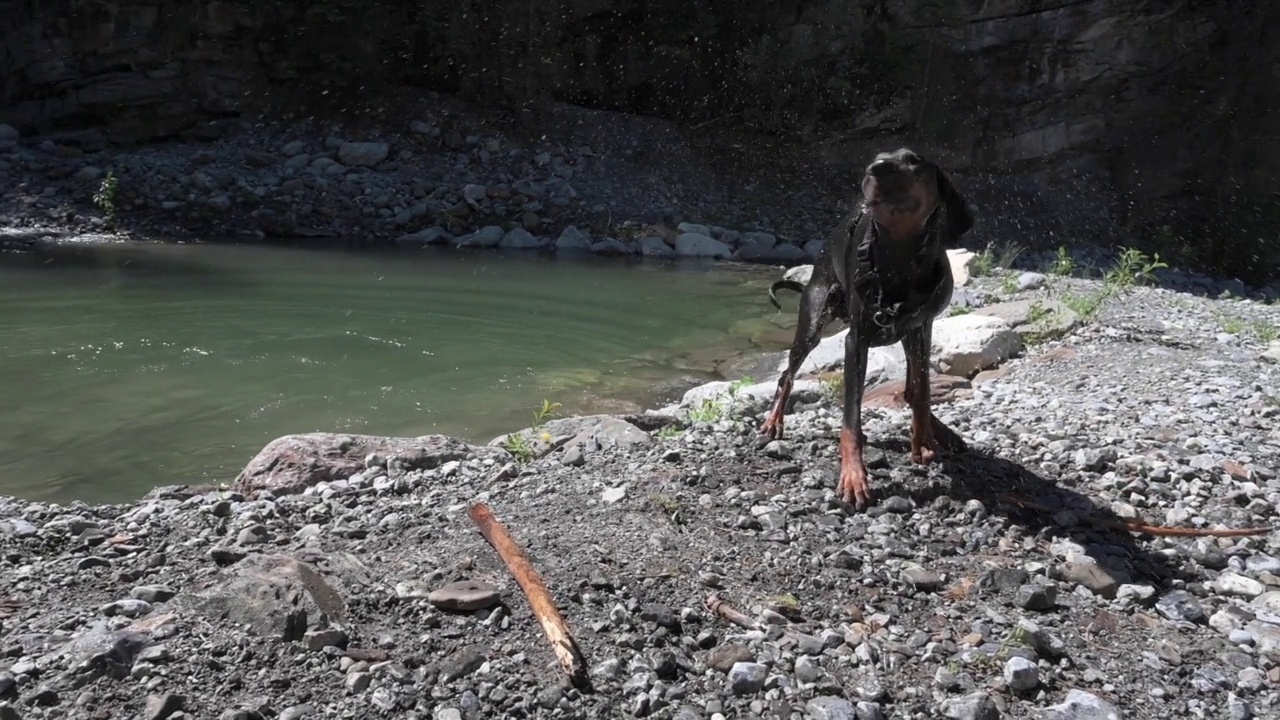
pixel 717 605
pixel 535 591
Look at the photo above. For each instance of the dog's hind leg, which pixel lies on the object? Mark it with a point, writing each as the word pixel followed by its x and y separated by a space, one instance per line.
pixel 916 349
pixel 928 434
pixel 817 303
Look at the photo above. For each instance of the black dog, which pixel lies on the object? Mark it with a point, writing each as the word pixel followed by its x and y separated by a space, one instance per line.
pixel 885 272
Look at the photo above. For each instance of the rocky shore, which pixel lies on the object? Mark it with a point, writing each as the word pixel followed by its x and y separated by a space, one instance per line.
pixel 341 577
pixel 445 178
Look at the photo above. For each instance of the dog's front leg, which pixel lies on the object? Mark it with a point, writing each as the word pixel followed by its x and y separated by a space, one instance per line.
pixel 915 345
pixel 815 313
pixel 853 487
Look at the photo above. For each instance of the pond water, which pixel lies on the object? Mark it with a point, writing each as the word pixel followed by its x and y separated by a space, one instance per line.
pixel 126 367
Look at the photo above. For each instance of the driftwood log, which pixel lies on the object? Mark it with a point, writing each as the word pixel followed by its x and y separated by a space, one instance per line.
pixel 530 582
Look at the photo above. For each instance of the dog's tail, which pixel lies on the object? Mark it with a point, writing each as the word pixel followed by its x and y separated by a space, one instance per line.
pixel 783 285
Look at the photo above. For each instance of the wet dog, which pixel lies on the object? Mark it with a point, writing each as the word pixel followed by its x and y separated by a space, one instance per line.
pixel 884 271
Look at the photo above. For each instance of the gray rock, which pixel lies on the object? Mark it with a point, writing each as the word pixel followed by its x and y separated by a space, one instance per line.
pixel 488 236
pixel 159 707
pixel 362 154
pixel 1081 705
pixel 465 596
pixel 520 239
pixel 1232 583
pixel 747 678
pixel 1182 606
pixel 827 707
pixel 130 608
pixel 723 657
pixel 1021 674
pixel 974 706
pixel 433 235
pixel 276 596
pixel 612 246
pixel 652 246
pixel 693 244
pixel 1031 280
pixel 153 593
pixel 571 238
pixel 613 495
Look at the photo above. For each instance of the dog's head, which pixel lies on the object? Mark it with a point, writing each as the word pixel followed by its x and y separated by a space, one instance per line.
pixel 901 189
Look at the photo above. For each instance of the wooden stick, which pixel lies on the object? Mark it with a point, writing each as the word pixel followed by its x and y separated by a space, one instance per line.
pixel 535 591
pixel 717 605
pixel 1140 527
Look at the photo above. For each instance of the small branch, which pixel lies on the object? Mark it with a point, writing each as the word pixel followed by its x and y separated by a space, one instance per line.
pixel 717 605
pixel 535 591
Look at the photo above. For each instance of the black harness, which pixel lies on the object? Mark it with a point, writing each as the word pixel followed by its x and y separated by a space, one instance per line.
pixel 925 280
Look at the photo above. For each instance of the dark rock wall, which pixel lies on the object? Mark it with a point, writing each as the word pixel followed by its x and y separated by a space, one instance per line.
pixel 1172 99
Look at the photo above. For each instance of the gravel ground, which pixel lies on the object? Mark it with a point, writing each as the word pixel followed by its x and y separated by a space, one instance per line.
pixel 988 585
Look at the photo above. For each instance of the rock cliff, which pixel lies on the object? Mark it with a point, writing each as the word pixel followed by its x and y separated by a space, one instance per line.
pixel 1166 101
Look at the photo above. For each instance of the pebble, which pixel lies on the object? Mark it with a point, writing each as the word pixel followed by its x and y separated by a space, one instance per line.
pixel 826 707
pixel 746 678
pixel 1021 674
pixel 464 596
pixel 1081 705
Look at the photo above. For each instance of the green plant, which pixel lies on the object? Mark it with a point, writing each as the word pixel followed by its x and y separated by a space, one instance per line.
pixel 1037 312
pixel 1008 254
pixel 666 432
pixel 1010 284
pixel 548 410
pixel 995 255
pixel 832 387
pixel 707 411
pixel 1063 264
pixel 106 195
pixel 982 263
pixel 519 447
pixel 960 310
pixel 737 385
pixel 1086 305
pixel 1265 332
pixel 1133 267
pixel 1233 326
pixel 667 505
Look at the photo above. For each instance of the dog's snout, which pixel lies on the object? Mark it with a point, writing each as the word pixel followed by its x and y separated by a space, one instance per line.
pixel 881 168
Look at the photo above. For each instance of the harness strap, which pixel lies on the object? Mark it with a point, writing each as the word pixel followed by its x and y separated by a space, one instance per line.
pixel 867 282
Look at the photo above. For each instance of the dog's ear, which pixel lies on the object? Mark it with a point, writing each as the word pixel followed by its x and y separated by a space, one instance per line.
pixel 959 218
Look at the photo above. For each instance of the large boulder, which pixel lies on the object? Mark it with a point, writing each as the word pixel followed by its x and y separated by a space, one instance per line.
pixel 693 244
pixel 966 344
pixel 292 463
pixel 280 597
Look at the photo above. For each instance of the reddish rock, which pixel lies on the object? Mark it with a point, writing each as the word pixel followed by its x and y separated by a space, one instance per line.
pixel 892 395
pixel 292 463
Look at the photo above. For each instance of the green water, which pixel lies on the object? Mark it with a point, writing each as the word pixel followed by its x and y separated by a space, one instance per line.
pixel 127 367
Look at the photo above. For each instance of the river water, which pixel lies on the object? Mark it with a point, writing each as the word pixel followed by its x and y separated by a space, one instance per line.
pixel 125 367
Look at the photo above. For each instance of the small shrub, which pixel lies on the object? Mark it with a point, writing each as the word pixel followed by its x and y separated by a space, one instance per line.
pixel 1063 264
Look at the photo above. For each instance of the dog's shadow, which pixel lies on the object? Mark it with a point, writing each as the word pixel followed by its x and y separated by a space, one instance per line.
pixel 1049 510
